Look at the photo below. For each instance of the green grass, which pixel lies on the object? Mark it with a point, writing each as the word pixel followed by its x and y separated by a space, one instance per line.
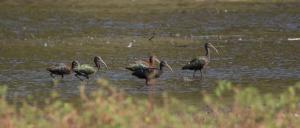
pixel 109 107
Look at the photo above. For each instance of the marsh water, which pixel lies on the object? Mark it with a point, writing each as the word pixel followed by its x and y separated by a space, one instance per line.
pixel 257 42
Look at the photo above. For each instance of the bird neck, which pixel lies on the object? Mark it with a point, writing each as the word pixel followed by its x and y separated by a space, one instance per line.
pixel 161 67
pixel 151 62
pixel 97 65
pixel 207 52
pixel 74 66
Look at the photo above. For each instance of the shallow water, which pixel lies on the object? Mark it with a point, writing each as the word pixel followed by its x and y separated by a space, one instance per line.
pixel 254 50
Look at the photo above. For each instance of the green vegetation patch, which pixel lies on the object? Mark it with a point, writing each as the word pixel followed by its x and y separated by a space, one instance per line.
pixel 109 107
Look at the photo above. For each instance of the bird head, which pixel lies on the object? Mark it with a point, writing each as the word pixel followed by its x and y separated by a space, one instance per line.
pixel 153 58
pixel 164 63
pixel 75 64
pixel 97 61
pixel 209 45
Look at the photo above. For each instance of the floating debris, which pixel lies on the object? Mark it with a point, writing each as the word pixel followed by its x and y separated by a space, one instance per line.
pixel 129 45
pixel 293 39
pixel 186 79
pixel 45 44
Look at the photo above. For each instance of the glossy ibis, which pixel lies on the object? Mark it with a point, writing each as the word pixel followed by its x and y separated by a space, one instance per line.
pixel 201 62
pixel 148 73
pixel 59 69
pixel 85 69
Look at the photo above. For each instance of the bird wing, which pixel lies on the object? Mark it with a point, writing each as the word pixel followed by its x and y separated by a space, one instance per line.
pixel 139 73
pixel 136 66
pixel 199 61
pixel 143 72
pixel 196 63
pixel 144 63
pixel 85 69
pixel 59 68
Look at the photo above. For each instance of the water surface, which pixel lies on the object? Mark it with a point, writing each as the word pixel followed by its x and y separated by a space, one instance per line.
pixel 254 48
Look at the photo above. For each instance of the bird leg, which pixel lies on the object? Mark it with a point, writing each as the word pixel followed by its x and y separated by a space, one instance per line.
pixel 201 74
pixel 86 76
pixel 78 76
pixel 52 75
pixel 194 74
pixel 205 69
pixel 153 81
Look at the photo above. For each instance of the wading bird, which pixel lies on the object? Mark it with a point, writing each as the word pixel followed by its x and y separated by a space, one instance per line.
pixel 85 69
pixel 200 62
pixel 59 69
pixel 148 73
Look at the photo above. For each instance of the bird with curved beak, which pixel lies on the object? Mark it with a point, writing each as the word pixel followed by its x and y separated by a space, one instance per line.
pixel 85 69
pixel 149 73
pixel 201 62
pixel 59 69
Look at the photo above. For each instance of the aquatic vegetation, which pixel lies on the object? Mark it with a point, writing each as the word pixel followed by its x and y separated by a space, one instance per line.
pixel 109 107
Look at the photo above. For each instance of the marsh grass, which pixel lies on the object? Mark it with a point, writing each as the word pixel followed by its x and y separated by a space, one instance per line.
pixel 110 107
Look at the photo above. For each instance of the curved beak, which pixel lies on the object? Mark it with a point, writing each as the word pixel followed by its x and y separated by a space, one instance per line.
pixel 102 61
pixel 157 60
pixel 169 67
pixel 214 48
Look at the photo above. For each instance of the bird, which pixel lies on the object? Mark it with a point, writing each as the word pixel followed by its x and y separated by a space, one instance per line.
pixel 152 36
pixel 201 62
pixel 85 69
pixel 59 69
pixel 148 73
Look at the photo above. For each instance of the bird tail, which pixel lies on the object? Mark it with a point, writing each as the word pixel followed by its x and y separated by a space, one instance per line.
pixel 48 69
pixel 130 68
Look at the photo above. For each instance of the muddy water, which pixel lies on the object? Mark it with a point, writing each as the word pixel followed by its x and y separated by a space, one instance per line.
pixel 256 49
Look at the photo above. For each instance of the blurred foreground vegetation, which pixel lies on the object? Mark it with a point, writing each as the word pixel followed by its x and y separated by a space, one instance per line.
pixel 109 107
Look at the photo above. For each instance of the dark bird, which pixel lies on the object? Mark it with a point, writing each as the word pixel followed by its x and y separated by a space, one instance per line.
pixel 59 69
pixel 85 69
pixel 201 62
pixel 152 36
pixel 148 73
